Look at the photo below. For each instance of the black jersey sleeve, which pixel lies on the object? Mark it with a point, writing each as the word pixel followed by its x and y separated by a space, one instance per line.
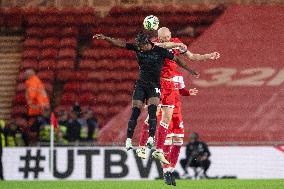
pixel 131 46
pixel 168 54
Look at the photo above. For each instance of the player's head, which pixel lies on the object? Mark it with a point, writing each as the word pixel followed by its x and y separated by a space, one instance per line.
pixel 164 34
pixel 143 42
pixel 194 137
pixel 29 73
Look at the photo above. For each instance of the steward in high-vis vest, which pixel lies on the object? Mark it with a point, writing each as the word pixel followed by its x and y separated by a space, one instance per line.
pixel 36 95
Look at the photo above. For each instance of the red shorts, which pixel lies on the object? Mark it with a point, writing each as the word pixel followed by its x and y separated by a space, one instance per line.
pixel 176 127
pixel 167 93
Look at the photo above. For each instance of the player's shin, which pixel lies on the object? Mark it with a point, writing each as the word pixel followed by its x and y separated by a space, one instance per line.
pixel 144 135
pixel 167 152
pixel 152 124
pixel 175 151
pixel 131 126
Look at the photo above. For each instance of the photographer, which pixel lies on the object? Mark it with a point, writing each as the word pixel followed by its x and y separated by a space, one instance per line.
pixel 197 156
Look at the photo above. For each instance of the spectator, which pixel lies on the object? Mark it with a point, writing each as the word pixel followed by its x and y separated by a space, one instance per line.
pixel 2 125
pixel 63 122
pixel 11 135
pixel 36 95
pixel 92 125
pixel 41 126
pixel 22 124
pixel 197 156
pixel 73 127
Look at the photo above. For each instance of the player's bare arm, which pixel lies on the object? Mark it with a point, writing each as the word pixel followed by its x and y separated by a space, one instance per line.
pixel 115 42
pixel 199 57
pixel 171 45
pixel 183 64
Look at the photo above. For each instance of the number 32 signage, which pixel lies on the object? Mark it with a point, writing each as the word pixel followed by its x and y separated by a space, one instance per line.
pixel 250 77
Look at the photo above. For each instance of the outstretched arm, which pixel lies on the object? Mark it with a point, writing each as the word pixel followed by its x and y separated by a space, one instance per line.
pixel 171 45
pixel 199 57
pixel 183 64
pixel 115 42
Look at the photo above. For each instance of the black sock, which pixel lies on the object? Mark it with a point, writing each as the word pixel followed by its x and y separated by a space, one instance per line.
pixel 133 121
pixel 152 109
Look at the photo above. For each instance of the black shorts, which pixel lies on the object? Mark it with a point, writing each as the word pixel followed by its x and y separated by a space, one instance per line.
pixel 143 91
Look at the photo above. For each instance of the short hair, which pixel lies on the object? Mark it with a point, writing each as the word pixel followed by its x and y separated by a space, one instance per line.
pixel 142 38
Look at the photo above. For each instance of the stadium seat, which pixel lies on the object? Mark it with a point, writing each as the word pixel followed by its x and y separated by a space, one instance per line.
pixel 65 64
pixel 72 86
pixel 68 53
pixel 31 53
pixel 46 75
pixel 50 32
pixel 29 63
pixel 50 42
pixel 68 98
pixel 36 32
pixel 68 42
pixel 69 32
pixel 49 53
pixel 46 65
pixel 32 43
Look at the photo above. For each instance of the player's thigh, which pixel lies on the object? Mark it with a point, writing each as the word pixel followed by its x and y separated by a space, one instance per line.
pixel 167 113
pixel 167 93
pixel 137 104
pixel 154 101
pixel 138 96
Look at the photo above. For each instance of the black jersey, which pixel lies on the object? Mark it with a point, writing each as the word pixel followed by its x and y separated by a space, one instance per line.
pixel 150 62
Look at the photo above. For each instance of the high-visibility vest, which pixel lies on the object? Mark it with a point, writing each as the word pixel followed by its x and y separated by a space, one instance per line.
pixel 36 95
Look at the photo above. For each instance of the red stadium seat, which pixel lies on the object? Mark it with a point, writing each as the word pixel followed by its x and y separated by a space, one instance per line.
pixel 49 53
pixel 50 42
pixel 65 75
pixel 20 99
pixel 87 99
pixel 65 64
pixel 68 98
pixel 46 75
pixel 29 63
pixel 69 32
pixel 34 32
pixel 68 42
pixel 31 53
pixel 32 43
pixel 51 32
pixel 19 110
pixel 21 87
pixel 67 53
pixel 46 65
pixel 87 64
pixel 72 87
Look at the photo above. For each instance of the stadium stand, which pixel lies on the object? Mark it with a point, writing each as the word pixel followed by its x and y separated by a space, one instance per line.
pixel 58 44
pixel 245 105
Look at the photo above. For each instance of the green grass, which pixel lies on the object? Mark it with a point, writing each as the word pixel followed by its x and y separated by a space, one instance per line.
pixel 181 184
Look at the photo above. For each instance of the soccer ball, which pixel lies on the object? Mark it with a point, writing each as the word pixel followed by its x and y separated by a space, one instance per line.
pixel 151 22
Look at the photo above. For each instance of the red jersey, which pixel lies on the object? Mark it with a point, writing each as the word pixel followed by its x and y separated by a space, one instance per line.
pixel 179 84
pixel 170 66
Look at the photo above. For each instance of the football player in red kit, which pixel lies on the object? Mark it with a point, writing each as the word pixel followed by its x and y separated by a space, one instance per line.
pixel 175 134
pixel 167 87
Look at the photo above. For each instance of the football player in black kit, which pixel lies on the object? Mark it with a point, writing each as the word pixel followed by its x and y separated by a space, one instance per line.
pixel 150 59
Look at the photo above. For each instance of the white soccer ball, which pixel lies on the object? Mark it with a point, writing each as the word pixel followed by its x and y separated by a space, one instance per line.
pixel 151 22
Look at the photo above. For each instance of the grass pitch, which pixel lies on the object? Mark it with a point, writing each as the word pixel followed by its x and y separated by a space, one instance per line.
pixel 181 184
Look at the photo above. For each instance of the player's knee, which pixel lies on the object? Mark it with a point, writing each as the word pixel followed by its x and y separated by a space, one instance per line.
pixel 168 141
pixel 135 113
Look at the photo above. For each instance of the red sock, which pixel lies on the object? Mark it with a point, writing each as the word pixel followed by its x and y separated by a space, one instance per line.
pixel 167 151
pixel 161 135
pixel 144 135
pixel 174 155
